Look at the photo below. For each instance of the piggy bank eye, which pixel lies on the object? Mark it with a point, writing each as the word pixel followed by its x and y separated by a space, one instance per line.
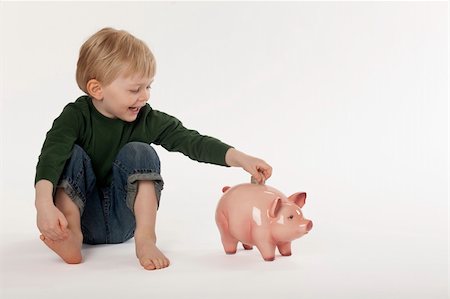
pixel 291 217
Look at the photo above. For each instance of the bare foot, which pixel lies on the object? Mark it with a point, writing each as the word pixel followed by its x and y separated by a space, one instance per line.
pixel 69 249
pixel 150 257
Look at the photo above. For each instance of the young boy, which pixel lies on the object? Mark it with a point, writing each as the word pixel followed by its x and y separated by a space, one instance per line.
pixel 98 179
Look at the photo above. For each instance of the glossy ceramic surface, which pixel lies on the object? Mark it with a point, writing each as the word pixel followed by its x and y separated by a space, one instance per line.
pixel 261 216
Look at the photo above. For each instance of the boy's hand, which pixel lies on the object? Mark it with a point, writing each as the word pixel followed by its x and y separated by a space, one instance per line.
pixel 51 222
pixel 259 169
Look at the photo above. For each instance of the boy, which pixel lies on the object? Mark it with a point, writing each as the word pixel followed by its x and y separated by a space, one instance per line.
pixel 98 179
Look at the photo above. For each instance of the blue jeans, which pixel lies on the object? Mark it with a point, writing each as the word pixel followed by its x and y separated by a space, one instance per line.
pixel 107 214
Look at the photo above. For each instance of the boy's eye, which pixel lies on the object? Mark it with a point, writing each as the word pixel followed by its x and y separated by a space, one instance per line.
pixel 137 90
pixel 291 217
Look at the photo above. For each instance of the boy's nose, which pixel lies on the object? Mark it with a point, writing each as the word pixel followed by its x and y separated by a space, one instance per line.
pixel 144 96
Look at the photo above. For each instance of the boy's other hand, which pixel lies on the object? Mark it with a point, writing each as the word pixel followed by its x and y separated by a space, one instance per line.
pixel 259 169
pixel 51 222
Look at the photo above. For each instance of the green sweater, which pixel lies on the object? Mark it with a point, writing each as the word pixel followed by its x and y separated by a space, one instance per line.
pixel 102 138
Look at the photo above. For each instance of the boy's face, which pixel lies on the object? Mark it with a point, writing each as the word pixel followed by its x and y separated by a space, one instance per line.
pixel 124 97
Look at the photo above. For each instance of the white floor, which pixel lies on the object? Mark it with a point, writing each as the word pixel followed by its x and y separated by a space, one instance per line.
pixel 332 262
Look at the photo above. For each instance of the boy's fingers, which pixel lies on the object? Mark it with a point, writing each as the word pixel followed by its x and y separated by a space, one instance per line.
pixel 50 235
pixel 266 171
pixel 63 223
pixel 55 234
pixel 259 177
pixel 60 233
pixel 262 179
pixel 63 232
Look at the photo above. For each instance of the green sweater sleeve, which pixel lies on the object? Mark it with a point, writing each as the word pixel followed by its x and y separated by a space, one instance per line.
pixel 173 136
pixel 58 145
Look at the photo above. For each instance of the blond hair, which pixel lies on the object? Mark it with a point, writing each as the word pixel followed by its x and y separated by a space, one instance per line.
pixel 110 52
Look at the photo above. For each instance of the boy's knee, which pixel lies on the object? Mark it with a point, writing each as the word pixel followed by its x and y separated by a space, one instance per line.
pixel 78 153
pixel 139 155
pixel 78 178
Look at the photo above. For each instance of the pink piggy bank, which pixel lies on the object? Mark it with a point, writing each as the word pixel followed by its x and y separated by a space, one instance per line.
pixel 261 216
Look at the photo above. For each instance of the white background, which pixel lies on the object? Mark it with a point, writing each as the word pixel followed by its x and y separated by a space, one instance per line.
pixel 347 101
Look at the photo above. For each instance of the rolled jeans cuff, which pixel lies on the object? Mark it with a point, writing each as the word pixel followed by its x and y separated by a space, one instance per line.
pixel 132 187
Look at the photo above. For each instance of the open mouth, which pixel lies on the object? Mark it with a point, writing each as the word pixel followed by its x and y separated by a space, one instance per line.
pixel 134 109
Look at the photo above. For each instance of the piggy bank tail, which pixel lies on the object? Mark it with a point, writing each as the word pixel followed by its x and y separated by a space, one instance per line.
pixel 224 189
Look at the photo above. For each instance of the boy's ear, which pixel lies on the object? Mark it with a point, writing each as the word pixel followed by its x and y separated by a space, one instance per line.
pixel 94 88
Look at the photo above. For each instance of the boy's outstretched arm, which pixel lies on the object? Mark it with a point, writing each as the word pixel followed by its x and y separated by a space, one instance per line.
pixel 258 168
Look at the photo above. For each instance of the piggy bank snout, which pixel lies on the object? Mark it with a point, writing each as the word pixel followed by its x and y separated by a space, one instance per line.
pixel 309 226
pixel 306 225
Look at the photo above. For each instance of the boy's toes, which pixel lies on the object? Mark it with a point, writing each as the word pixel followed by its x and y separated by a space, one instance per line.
pixel 162 263
pixel 148 264
pixel 166 263
pixel 157 263
pixel 153 264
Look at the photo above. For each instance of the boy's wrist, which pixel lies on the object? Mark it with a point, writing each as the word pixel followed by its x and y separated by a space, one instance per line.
pixel 44 194
pixel 228 157
pixel 232 157
pixel 43 202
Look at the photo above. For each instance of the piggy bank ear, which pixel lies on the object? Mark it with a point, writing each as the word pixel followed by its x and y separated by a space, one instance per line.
pixel 275 207
pixel 298 198
pixel 225 189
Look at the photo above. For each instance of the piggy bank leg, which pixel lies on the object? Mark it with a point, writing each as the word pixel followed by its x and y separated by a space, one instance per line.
pixel 228 241
pixel 229 244
pixel 284 248
pixel 247 247
pixel 267 251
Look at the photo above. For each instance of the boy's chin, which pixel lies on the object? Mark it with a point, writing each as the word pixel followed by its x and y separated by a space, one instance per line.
pixel 128 118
